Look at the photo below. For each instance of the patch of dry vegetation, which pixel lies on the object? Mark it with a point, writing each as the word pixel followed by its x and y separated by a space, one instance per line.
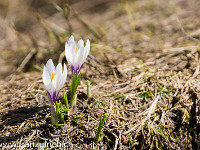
pixel 144 69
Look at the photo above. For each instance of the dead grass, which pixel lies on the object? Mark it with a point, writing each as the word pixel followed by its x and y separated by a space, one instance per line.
pixel 144 74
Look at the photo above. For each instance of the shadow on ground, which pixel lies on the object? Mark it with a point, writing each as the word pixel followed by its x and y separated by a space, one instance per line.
pixel 14 117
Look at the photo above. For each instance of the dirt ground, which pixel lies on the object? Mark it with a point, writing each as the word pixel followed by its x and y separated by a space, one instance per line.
pixel 144 70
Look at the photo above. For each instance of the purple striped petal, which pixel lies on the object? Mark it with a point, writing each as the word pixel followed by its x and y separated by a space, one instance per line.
pixel 54 97
pixel 76 69
pixel 49 94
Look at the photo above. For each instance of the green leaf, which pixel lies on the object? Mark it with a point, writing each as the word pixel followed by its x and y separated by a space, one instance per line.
pixel 66 102
pixel 101 123
pixel 75 81
pixel 88 89
pixel 99 104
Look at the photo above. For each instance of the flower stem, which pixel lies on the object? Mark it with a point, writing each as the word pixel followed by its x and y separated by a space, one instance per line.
pixel 66 102
pixel 75 81
pixel 73 100
pixel 54 118
pixel 88 89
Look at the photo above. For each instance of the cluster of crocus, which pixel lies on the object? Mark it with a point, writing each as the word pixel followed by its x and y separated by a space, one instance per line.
pixel 54 78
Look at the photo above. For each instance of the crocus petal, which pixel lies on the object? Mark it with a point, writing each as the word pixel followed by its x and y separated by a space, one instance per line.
pixel 85 54
pixel 80 44
pixel 68 54
pixel 64 75
pixel 73 57
pixel 50 89
pixel 80 57
pixel 60 83
pixel 72 67
pixel 87 46
pixel 50 67
pixel 71 52
pixel 71 40
pixel 45 76
pixel 86 51
pixel 59 68
pixel 55 80
pixel 66 49
pixel 54 96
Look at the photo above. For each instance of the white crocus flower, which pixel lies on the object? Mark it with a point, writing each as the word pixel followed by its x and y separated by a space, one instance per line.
pixel 54 79
pixel 76 54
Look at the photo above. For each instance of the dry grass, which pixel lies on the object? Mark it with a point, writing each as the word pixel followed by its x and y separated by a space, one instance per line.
pixel 144 73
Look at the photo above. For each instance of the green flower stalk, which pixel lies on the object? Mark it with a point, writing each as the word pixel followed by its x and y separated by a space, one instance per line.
pixel 59 112
pixel 101 123
pixel 75 81
pixel 66 106
pixel 88 89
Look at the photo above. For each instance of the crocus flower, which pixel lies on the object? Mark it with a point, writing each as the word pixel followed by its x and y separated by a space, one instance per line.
pixel 76 54
pixel 54 79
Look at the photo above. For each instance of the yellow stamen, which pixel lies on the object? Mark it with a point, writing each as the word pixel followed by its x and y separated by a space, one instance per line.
pixel 77 49
pixel 53 75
